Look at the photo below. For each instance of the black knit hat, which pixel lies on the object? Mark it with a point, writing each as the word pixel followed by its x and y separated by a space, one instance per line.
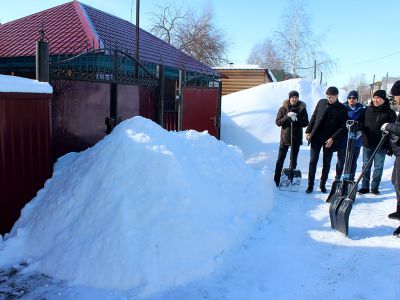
pixel 293 94
pixel 332 91
pixel 380 94
pixel 353 94
pixel 395 91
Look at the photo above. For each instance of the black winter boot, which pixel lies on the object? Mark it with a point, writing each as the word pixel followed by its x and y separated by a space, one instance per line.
pixel 322 188
pixel 309 189
pixel 396 233
pixel 394 216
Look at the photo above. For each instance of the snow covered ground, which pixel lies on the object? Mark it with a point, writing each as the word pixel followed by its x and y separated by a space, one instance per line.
pixel 186 218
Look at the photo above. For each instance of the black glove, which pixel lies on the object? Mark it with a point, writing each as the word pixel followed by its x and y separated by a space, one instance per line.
pixel 389 151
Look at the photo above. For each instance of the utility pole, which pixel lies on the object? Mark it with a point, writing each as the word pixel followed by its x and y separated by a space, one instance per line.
pixel 315 69
pixel 137 39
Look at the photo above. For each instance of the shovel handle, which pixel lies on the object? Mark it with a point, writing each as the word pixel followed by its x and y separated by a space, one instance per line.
pixel 369 163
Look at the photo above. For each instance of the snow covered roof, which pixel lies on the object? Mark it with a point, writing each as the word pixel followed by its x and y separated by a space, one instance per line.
pixel 239 67
pixel 14 84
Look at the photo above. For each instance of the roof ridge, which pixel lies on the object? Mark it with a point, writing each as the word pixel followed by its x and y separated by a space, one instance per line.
pixel 88 26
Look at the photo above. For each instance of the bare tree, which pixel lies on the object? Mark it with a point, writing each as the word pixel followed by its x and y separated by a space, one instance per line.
pixel 195 35
pixel 296 43
pixel 359 83
pixel 265 55
pixel 166 23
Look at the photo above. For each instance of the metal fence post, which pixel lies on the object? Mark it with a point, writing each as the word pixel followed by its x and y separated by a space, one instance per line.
pixel 180 98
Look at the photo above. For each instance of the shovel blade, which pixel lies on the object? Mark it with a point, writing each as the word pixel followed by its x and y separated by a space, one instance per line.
pixel 335 190
pixel 333 209
pixel 343 215
pixel 340 189
pixel 290 180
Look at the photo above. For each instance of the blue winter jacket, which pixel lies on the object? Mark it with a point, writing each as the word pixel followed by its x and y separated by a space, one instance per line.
pixel 357 114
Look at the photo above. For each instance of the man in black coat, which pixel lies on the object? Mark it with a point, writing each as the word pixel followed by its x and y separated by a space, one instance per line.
pixel 292 110
pixel 327 123
pixel 394 130
pixel 378 113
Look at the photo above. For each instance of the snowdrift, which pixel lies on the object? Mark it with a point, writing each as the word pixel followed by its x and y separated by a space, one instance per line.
pixel 143 209
pixel 248 116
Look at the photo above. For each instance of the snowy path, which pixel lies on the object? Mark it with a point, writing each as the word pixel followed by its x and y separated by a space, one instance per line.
pixel 294 254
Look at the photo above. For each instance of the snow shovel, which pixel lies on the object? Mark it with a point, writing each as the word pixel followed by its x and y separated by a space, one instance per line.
pixel 290 178
pixel 340 208
pixel 342 187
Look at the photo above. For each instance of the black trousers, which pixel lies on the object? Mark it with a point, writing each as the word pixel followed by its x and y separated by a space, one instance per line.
pixel 316 144
pixel 283 149
pixel 396 180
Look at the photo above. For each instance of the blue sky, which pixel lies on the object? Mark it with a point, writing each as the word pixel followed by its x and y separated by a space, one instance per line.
pixel 361 36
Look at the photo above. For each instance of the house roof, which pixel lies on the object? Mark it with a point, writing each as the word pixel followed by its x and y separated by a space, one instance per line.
pixel 72 25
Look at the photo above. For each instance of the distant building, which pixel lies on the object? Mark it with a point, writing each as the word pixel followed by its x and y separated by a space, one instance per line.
pixel 387 83
pixel 240 77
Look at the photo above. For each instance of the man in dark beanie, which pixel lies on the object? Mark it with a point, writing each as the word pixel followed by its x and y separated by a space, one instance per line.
pixel 327 123
pixel 378 113
pixel 394 130
pixel 292 111
pixel 395 91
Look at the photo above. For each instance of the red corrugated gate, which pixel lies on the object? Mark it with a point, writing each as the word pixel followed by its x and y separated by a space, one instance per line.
pixel 25 151
pixel 200 109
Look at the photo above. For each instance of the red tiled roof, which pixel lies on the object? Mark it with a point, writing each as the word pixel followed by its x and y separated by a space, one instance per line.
pixel 74 24
pixel 64 26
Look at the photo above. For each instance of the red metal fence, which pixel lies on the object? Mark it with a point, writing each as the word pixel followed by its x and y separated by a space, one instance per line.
pixel 25 151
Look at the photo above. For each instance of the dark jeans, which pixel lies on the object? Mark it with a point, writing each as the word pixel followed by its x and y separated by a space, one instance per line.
pixel 341 155
pixel 283 149
pixel 396 180
pixel 379 161
pixel 316 144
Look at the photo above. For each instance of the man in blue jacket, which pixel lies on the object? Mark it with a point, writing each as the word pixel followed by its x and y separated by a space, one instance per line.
pixel 355 111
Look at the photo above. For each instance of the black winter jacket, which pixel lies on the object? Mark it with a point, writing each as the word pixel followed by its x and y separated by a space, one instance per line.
pixel 335 122
pixel 283 121
pixel 394 130
pixel 375 117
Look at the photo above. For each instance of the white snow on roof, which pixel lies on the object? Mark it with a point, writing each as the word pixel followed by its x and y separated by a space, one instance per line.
pixel 239 67
pixel 14 84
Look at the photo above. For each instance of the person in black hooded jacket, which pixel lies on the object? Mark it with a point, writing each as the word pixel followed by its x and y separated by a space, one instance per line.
pixel 394 142
pixel 292 110
pixel 378 113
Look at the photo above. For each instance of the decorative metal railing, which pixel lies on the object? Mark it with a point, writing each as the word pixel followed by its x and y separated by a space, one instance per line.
pixel 108 65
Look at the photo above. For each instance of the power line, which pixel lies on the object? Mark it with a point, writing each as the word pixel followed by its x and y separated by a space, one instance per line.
pixel 372 60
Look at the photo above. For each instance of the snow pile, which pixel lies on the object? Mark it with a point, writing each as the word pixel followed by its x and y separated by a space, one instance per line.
pixel 14 84
pixel 143 209
pixel 248 116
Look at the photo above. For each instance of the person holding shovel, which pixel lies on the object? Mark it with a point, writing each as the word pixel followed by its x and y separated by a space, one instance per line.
pixel 394 130
pixel 293 110
pixel 356 112
pixel 327 124
pixel 378 113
